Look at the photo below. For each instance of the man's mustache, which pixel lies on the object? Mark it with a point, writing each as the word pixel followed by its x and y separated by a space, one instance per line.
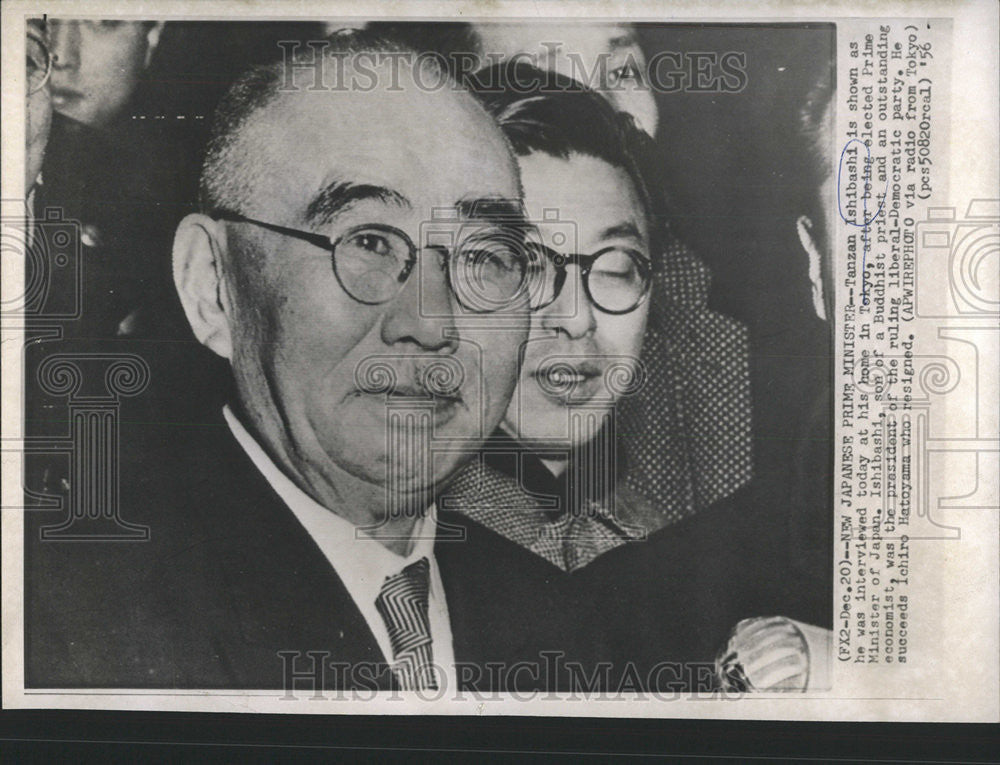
pixel 441 377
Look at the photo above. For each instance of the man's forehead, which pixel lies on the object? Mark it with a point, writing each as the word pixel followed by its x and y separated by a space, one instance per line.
pixel 432 148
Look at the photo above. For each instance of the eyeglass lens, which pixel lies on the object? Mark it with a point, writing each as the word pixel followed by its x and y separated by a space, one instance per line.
pixel 370 262
pixel 39 63
pixel 487 272
pixel 616 280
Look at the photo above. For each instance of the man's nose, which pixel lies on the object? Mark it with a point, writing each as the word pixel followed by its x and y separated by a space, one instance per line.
pixel 64 37
pixel 423 312
pixel 571 312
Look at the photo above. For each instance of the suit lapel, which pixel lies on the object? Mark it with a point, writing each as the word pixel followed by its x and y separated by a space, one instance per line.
pixel 258 581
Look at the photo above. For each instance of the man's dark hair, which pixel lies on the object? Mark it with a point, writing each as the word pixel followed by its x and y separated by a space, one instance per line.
pixel 814 132
pixel 543 111
pixel 227 179
pixel 455 42
pixel 815 128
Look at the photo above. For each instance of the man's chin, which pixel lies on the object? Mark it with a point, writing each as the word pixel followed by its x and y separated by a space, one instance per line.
pixel 407 471
pixel 423 476
pixel 540 421
pixel 568 425
pixel 410 449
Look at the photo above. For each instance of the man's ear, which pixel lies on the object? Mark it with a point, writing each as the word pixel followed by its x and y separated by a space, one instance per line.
pixel 199 245
pixel 152 40
pixel 804 227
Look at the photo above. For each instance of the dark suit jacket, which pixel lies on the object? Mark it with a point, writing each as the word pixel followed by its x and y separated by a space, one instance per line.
pixel 229 582
pixel 125 191
pixel 648 615
pixel 226 581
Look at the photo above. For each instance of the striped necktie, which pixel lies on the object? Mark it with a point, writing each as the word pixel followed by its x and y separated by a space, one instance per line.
pixel 403 604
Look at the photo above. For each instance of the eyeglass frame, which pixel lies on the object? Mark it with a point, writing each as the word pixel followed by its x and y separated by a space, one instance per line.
pixel 562 260
pixel 330 245
pixel 50 59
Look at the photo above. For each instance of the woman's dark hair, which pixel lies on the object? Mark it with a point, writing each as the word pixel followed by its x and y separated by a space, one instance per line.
pixel 547 112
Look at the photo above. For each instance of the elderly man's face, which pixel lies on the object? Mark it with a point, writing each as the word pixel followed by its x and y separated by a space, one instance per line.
pixel 98 64
pixel 606 58
pixel 308 359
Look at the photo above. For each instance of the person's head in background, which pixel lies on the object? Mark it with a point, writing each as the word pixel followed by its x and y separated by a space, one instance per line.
pixel 98 65
pixel 813 225
pixel 38 106
pixel 581 158
pixel 604 57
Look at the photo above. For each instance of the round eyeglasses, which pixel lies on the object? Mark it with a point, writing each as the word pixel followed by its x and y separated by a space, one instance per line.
pixel 490 269
pixel 615 279
pixel 39 63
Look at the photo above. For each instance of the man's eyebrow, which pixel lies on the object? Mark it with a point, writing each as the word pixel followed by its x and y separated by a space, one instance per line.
pixel 622 230
pixel 340 194
pixel 622 41
pixel 500 209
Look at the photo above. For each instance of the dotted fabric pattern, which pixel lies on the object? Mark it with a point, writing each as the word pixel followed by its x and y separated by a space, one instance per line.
pixel 686 437
pixel 493 499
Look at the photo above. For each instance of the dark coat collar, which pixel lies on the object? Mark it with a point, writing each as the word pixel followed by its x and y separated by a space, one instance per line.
pixel 227 580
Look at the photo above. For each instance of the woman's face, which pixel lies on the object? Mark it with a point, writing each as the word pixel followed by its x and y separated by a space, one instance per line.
pixel 576 355
pixel 605 58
